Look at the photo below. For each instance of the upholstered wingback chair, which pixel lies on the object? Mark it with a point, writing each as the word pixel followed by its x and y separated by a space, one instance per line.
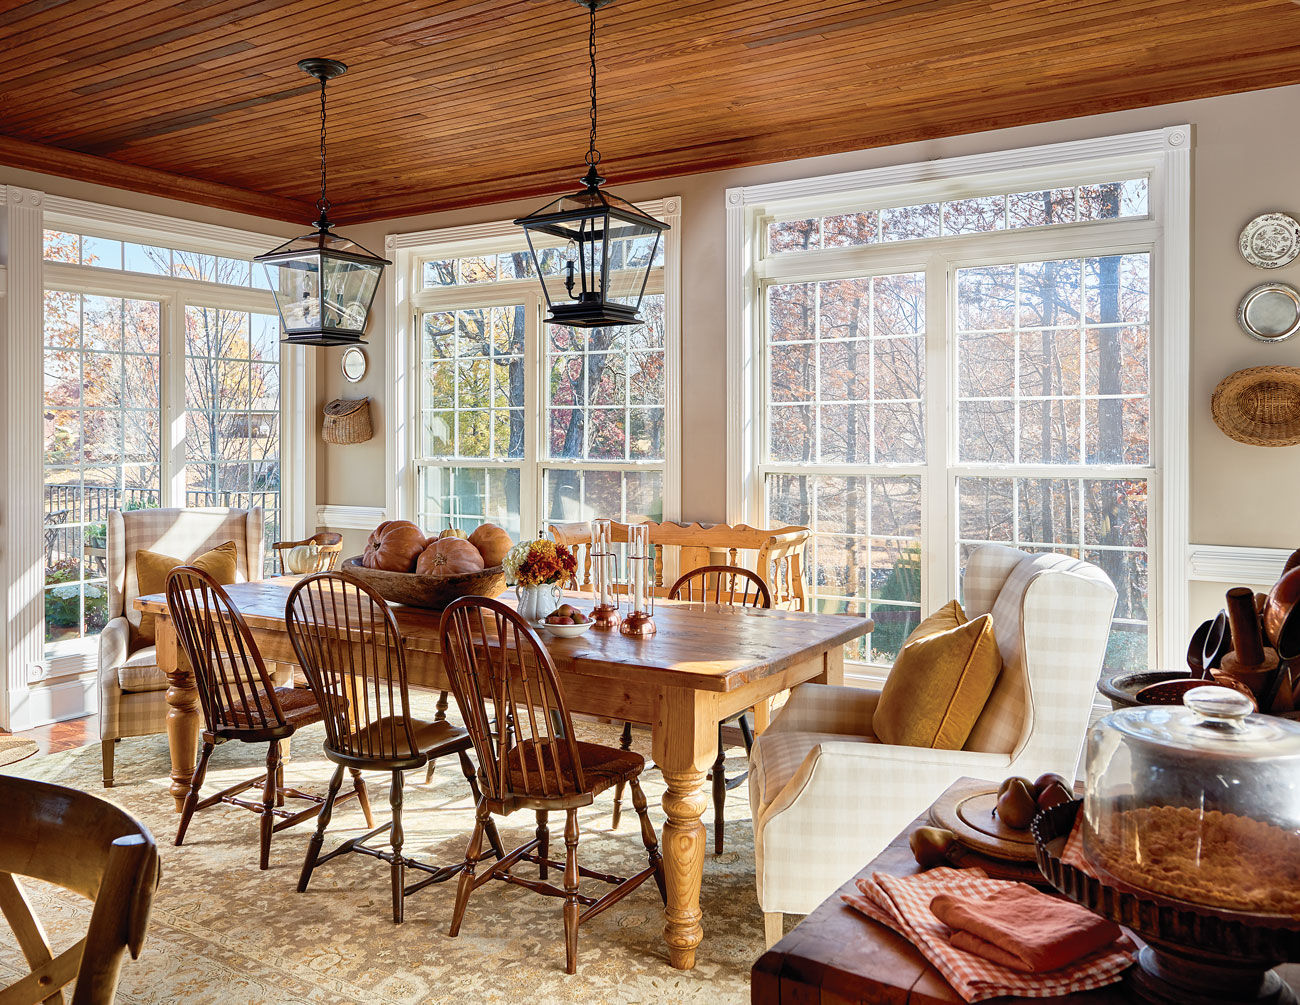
pixel 827 796
pixel 132 690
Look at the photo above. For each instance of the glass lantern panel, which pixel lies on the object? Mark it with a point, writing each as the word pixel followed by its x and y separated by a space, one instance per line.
pixel 349 288
pixel 296 286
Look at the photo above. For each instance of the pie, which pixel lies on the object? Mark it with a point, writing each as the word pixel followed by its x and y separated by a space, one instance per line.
pixel 1203 857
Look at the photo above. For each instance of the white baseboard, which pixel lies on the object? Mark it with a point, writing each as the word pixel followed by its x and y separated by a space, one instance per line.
pixel 1215 563
pixel 43 704
pixel 350 517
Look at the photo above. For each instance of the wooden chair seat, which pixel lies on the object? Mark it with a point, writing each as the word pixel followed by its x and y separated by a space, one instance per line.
pixel 386 739
pixel 298 705
pixel 601 766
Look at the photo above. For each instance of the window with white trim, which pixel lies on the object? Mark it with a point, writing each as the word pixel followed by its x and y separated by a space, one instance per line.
pixel 522 423
pixel 935 365
pixel 162 388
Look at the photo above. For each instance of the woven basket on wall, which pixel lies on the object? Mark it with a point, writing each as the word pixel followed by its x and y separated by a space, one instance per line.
pixel 1260 406
pixel 347 421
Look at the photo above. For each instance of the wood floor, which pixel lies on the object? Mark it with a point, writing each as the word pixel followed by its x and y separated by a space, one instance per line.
pixel 63 735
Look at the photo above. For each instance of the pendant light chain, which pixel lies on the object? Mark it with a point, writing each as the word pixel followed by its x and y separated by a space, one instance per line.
pixel 593 155
pixel 324 204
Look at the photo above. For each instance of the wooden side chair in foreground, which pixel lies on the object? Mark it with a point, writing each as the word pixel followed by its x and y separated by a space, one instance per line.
pixel 86 845
pixel 348 644
pixel 240 702
pixel 532 760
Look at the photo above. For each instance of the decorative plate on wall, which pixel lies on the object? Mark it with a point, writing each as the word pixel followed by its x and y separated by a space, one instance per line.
pixel 1271 241
pixel 1270 312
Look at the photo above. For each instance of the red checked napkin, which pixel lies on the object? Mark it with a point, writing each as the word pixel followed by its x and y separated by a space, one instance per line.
pixel 903 904
pixel 1023 929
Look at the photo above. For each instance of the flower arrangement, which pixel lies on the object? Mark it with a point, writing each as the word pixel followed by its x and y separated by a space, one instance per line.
pixel 534 563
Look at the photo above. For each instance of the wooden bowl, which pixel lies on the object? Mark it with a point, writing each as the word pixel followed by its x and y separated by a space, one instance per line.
pixel 1122 688
pixel 430 592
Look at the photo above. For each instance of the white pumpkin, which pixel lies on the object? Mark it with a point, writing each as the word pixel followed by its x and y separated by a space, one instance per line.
pixel 302 559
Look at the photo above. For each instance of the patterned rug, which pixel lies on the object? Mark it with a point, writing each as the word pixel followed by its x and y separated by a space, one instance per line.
pixel 223 932
pixel 14 748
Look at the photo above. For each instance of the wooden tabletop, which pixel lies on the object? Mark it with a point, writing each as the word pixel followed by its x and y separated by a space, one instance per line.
pixel 702 646
pixel 837 955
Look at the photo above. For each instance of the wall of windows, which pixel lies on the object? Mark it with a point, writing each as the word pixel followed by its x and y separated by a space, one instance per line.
pixel 521 423
pixel 160 389
pixel 934 374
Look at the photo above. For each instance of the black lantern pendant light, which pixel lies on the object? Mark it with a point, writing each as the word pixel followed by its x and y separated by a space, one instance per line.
pixel 593 250
pixel 323 283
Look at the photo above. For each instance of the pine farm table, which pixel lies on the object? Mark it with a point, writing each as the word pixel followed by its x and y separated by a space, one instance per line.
pixel 705 663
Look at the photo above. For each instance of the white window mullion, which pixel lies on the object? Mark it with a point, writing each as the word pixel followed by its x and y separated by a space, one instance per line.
pixel 172 345
pixel 938 512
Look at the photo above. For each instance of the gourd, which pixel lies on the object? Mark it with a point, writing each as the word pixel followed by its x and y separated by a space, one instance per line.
pixel 394 546
pixel 492 543
pixel 449 556
pixel 452 532
pixel 303 558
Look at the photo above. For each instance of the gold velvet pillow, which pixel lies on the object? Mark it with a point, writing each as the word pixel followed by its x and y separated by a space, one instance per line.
pixel 151 571
pixel 940 681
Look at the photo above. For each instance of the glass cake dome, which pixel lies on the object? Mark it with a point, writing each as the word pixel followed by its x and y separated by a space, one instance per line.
pixel 1199 804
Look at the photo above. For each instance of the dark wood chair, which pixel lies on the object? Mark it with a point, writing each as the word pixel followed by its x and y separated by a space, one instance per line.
pixel 240 702
pixel 735 587
pixel 349 645
pixel 532 760
pixel 86 845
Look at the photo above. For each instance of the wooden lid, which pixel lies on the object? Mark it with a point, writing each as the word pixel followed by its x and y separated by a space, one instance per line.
pixel 345 406
pixel 1260 406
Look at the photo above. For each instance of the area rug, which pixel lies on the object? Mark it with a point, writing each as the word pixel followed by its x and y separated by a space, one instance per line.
pixel 225 933
pixel 14 748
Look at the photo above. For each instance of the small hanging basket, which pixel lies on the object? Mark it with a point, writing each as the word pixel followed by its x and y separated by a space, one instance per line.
pixel 347 421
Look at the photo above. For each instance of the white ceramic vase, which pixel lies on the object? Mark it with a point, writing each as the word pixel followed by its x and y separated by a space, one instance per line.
pixel 536 602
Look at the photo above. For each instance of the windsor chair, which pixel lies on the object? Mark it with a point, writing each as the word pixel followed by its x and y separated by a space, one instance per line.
pixel 532 760
pixel 349 647
pixel 240 702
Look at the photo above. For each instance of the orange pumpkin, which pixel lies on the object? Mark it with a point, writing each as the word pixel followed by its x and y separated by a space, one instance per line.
pixel 449 556
pixel 492 543
pixel 394 546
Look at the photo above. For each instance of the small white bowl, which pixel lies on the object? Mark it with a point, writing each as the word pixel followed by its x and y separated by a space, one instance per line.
pixel 567 631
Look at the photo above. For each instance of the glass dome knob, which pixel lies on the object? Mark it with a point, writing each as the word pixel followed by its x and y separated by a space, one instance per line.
pixel 1219 707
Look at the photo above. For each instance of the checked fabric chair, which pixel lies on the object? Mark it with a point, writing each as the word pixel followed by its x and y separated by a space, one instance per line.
pixel 827 796
pixel 240 702
pixel 532 760
pixel 350 648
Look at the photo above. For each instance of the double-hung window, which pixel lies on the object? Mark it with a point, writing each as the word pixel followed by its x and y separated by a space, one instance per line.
pixel 162 388
pixel 520 423
pixel 935 358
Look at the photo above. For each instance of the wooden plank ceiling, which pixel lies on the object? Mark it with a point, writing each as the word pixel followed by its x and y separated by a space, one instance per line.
pixel 458 102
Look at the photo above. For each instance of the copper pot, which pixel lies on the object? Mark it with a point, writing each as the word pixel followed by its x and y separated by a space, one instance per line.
pixel 1281 620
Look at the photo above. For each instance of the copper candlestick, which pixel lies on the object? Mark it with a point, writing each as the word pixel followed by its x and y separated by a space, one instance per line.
pixel 638 623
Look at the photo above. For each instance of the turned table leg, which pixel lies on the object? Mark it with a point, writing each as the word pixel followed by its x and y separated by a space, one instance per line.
pixel 685 744
pixel 182 711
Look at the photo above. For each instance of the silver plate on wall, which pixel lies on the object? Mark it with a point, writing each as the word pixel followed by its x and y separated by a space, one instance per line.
pixel 1270 312
pixel 353 364
pixel 1270 241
